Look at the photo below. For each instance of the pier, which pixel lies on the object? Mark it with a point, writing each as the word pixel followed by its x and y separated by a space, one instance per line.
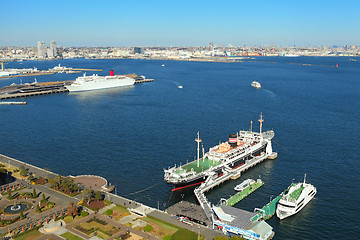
pixel 20 72
pixel 268 211
pixel 233 220
pixel 45 88
pixel 242 194
pixel 144 81
pixel 12 103
pixel 213 181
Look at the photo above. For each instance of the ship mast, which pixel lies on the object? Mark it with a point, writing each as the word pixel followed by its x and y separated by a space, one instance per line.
pixel 203 152
pixel 198 140
pixel 261 121
pixel 251 122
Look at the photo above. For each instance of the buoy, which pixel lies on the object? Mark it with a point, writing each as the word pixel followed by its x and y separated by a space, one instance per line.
pixel 337 65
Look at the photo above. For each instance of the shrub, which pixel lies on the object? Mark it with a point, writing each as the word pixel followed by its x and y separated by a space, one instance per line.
pixel 108 212
pixel 84 214
pixel 167 237
pixel 38 210
pixel 148 228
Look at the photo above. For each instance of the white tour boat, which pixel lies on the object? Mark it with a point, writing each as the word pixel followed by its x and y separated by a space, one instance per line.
pixel 255 84
pixel 295 199
pixel 244 185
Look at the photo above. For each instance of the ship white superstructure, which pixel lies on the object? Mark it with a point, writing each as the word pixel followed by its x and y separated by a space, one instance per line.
pixel 255 84
pixel 236 153
pixel 295 199
pixel 95 82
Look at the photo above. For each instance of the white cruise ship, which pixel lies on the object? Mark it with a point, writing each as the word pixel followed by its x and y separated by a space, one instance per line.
pixel 295 199
pixel 95 82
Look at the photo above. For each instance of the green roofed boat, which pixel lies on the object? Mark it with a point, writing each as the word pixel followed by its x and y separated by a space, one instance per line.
pixel 295 199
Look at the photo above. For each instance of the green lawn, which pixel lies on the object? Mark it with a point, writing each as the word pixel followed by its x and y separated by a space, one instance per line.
pixel 69 219
pixel 70 236
pixel 161 223
pixel 33 234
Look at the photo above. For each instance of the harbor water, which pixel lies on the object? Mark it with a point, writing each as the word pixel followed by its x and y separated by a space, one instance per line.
pixel 129 135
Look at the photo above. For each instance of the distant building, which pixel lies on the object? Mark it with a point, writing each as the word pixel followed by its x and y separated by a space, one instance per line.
pixel 41 50
pixel 211 46
pixel 138 50
pixel 53 52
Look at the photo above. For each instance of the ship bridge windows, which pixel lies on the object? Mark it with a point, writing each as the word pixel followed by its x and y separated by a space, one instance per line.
pixel 286 205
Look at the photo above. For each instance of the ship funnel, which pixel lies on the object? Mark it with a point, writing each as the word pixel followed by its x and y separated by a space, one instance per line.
pixel 233 140
pixel 111 72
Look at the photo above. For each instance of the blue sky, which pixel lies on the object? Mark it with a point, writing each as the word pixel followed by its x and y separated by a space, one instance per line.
pixel 179 23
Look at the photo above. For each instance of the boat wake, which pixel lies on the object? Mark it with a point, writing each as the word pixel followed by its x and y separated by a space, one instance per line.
pixel 178 85
pixel 272 94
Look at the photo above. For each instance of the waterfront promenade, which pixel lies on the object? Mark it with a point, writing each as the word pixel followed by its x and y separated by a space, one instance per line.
pixel 62 201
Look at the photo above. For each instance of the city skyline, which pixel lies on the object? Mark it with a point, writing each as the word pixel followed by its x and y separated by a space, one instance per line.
pixel 180 23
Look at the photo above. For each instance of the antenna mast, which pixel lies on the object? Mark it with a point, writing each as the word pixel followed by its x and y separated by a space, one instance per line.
pixel 261 121
pixel 198 140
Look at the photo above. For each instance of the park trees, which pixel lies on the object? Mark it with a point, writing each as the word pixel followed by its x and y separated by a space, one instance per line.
pixel 87 195
pixel 34 194
pixel 98 196
pixel 23 171
pixel 66 185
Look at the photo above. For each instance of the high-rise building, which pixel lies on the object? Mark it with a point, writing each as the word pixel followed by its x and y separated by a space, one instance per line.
pixel 50 53
pixel 211 46
pixel 41 50
pixel 138 50
pixel 53 51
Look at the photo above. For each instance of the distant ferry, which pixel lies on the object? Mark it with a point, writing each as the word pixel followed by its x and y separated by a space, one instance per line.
pixel 95 82
pixel 295 199
pixel 256 84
